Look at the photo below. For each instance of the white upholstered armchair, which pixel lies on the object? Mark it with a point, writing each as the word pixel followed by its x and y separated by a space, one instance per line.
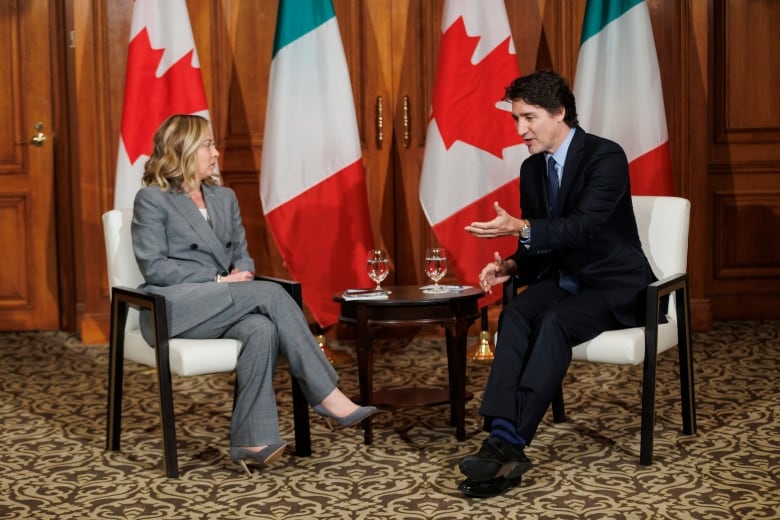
pixel 184 357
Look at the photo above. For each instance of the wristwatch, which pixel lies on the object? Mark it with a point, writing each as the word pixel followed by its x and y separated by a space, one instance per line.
pixel 525 232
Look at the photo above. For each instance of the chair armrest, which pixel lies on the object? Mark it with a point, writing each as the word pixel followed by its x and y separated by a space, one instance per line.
pixel 656 292
pixel 510 289
pixel 137 297
pixel 669 284
pixel 121 299
pixel 124 297
pixel 292 287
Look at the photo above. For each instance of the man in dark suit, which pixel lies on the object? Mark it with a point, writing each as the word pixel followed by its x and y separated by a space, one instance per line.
pixel 579 255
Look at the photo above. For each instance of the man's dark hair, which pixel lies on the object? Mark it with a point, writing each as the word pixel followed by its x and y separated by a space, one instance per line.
pixel 546 89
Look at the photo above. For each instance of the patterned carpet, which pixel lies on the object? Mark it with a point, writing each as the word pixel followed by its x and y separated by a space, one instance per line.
pixel 53 462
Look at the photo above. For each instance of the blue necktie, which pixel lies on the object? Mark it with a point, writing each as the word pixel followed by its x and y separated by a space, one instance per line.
pixel 567 282
pixel 552 185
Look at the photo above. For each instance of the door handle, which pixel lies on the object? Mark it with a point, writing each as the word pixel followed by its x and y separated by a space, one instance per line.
pixel 39 138
pixel 407 123
pixel 380 122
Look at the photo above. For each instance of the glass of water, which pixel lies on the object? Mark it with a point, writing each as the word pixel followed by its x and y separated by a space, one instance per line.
pixel 378 266
pixel 435 267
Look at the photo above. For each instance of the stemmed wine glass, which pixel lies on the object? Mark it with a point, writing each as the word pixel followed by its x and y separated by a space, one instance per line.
pixel 435 267
pixel 378 266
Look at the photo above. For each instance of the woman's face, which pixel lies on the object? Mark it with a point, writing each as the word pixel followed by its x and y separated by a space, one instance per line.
pixel 206 160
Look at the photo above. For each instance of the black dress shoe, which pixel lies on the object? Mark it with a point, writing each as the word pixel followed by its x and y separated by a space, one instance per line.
pixel 488 488
pixel 496 458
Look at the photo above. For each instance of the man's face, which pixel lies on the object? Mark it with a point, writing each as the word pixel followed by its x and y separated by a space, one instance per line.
pixel 541 130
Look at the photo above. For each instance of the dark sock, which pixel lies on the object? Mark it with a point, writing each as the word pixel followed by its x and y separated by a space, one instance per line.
pixel 506 430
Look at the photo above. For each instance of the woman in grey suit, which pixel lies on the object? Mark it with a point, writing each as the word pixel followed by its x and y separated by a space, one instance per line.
pixel 191 248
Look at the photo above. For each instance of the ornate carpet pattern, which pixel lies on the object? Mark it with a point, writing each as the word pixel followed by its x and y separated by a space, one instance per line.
pixel 53 463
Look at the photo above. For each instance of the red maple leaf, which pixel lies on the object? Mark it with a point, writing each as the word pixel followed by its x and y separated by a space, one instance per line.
pixel 149 99
pixel 465 94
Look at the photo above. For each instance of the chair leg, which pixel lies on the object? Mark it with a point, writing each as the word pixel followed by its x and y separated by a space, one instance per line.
pixel 115 374
pixel 648 415
pixel 301 420
pixel 170 454
pixel 648 395
pixel 558 407
pixel 684 348
pixel 114 408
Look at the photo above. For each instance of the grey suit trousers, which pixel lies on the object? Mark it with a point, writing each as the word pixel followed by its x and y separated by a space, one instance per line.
pixel 268 322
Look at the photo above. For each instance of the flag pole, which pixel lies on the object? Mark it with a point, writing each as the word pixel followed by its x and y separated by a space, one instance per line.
pixel 335 357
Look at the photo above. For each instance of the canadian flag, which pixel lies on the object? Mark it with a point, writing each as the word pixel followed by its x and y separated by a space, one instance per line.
pixel 472 152
pixel 312 184
pixel 163 78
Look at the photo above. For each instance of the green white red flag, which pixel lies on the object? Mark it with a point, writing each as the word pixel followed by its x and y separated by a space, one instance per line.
pixel 312 184
pixel 618 90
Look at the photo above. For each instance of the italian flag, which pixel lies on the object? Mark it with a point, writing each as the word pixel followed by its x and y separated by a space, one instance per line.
pixel 618 90
pixel 163 78
pixel 472 151
pixel 312 185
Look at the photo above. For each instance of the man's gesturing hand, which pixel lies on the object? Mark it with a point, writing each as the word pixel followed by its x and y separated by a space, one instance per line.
pixel 494 273
pixel 502 225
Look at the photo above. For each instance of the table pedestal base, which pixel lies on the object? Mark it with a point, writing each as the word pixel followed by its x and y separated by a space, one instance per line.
pixel 408 306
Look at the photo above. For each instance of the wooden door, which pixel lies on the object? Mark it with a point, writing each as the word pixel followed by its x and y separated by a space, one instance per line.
pixel 28 277
pixel 743 155
pixel 392 53
pixel 390 46
pixel 395 60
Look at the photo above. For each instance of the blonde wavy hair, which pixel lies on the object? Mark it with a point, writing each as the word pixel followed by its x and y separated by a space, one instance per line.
pixel 172 163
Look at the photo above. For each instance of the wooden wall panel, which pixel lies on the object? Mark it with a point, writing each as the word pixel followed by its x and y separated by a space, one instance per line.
pixel 242 50
pixel 718 69
pixel 247 30
pixel 96 75
pixel 10 104
pixel 744 160
pixel 741 256
pixel 689 133
pixel 747 78
pixel 15 292
pixel 413 32
pixel 235 44
pixel 368 43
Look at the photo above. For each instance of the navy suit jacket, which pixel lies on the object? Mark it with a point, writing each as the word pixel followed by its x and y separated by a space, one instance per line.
pixel 593 235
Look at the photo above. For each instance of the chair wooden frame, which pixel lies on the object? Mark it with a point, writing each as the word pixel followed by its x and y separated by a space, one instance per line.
pixel 122 299
pixel 677 285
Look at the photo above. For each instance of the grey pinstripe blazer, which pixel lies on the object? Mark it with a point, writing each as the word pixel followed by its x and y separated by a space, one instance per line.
pixel 180 254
